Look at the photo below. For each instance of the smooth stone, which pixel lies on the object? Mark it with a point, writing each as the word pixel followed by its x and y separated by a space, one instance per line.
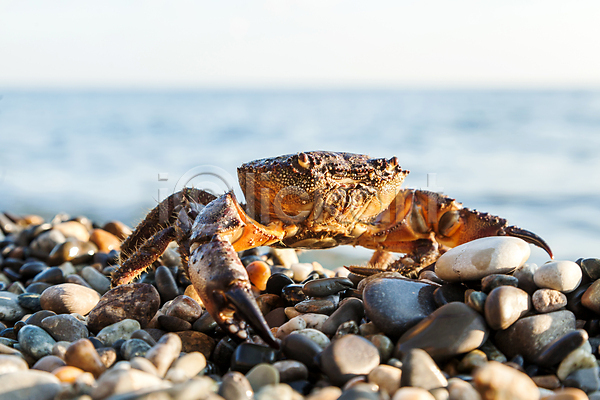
pixel 173 324
pixel 10 363
pixel 384 345
pixel 504 305
pixel 32 268
pixel 164 352
pixel 259 273
pixel 185 308
pixel 267 302
pixel 388 378
pixel 43 244
pixel 548 300
pixel 575 305
pixel 117 228
pixel 53 275
pixel 72 250
pixel 247 355
pixel 461 390
pixel 549 382
pixel 68 374
pixel 29 385
pixel 277 282
pixel 285 257
pixel 134 348
pixel 419 370
pixel 96 279
pixel 82 354
pixel 37 287
pixel 281 391
pixel 35 341
pixel 396 305
pixel 117 381
pixel 145 336
pixel 235 386
pixel 591 268
pixel 10 310
pixel 186 367
pixel 294 324
pixel 73 229
pixel 350 309
pixel 577 359
pixel 586 379
pixel 316 336
pixel 119 330
pixel 493 281
pixel 138 301
pixel 319 305
pixel 262 375
pixel 341 365
pixel 301 271
pixel 65 327
pixel 473 359
pixel 49 363
pixel 37 317
pixel 448 293
pixel 69 298
pixel 591 297
pixel 276 318
pixel 525 276
pixel 293 294
pixel 463 330
pixel 529 335
pixel 303 349
pixel 412 393
pixel 78 280
pixel 498 381
pixel 291 370
pixel 166 284
pixel 476 300
pixel 482 257
pixel 104 240
pixel 196 341
pixel 60 348
pixel 326 286
pixel 143 364
pixel 205 324
pixel 564 276
pixel 30 301
pixel 314 321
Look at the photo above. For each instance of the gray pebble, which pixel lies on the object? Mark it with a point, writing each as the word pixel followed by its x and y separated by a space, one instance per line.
pixel 341 365
pixel 504 305
pixel 351 309
pixel 134 348
pixel 166 284
pixel 291 370
pixel 10 310
pixel 491 282
pixel 65 327
pixel 96 279
pixel 586 379
pixel 319 305
pixel 326 286
pixel 119 330
pixel 35 341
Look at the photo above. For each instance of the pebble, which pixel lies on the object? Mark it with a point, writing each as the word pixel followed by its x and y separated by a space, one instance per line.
pixel 482 257
pixel 104 240
pixel 138 301
pixel 235 386
pixel 117 381
pixel 96 279
pixel 49 363
pixel 319 305
pixel 461 390
pixel 173 324
pixel 10 309
pixel 491 382
pixel 32 268
pixel 548 300
pixel 412 393
pixel 277 282
pixel 591 297
pixel 166 284
pixel 396 305
pixel 529 335
pixel 259 273
pixel 29 385
pixel 73 229
pixel 504 305
pixel 464 330
pixel 43 244
pixel 586 379
pixel 293 294
pixel 82 354
pixel 577 359
pixel 291 370
pixel 69 298
pixel 303 349
pixel 294 324
pixel 341 365
pixel 134 348
pixel 315 335
pixel 117 228
pixel 569 394
pixel 285 257
pixel 326 286
pixel 196 341
pixel 30 301
pixel 67 374
pixel 35 341
pixel 301 271
pixel 12 363
pixel 185 308
pixel 419 370
pixel 164 352
pixel 350 309
pixel 564 276
pixel 65 327
pixel 388 378
pixel 493 281
pixel 186 367
pixel 262 375
pixel 119 330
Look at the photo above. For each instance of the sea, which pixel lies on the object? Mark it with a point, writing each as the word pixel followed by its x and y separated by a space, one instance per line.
pixel 532 157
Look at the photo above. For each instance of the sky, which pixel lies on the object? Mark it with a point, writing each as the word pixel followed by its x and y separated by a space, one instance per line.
pixel 188 44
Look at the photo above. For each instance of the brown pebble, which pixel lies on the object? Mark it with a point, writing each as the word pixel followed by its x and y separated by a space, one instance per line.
pixel 190 291
pixel 48 363
pixel 173 324
pixel 67 374
pixel 73 229
pixel 549 382
pixel 108 356
pixel 548 300
pixel 492 382
pixel 196 341
pixel 185 308
pixel 82 354
pixel 105 241
pixel 164 352
pixel 259 273
pixel 68 298
pixel 117 228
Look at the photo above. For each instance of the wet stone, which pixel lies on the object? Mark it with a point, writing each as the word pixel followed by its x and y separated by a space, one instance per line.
pixel 43 244
pixel 10 310
pixel 65 327
pixel 53 275
pixel 134 348
pixel 586 379
pixel 351 309
pixel 96 279
pixel 504 305
pixel 277 282
pixel 548 300
pixel 166 284
pixel 235 386
pixel 419 370
pixel 564 276
pixel 591 268
pixel 320 305
pixel 529 335
pixel 491 282
pixel 30 301
pixel 196 341
pixel 464 330
pixel 82 354
pixel 293 294
pixel 341 365
pixel 248 355
pixel 119 330
pixel 482 257
pixel 69 298
pixel 35 341
pixel 301 348
pixel 276 318
pixel 395 305
pixel 71 250
pixel 325 287
pixel 259 273
pixel 138 301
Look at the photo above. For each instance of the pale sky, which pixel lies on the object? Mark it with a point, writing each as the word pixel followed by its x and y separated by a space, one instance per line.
pixel 299 44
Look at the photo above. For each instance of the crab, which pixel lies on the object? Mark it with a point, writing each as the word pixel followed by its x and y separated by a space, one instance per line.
pixel 308 200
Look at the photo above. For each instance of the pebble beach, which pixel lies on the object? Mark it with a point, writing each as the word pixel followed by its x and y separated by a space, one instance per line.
pixel 482 323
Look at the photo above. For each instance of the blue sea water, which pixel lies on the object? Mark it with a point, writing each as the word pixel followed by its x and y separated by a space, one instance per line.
pixel 532 157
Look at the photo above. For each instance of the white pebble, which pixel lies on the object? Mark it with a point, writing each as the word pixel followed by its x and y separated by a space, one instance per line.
pixel 316 336
pixel 301 271
pixel 564 276
pixel 294 324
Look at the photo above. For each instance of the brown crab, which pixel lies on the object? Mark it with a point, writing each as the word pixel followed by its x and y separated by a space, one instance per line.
pixel 310 200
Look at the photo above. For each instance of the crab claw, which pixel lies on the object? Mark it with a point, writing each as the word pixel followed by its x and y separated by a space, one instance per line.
pixel 529 237
pixel 222 283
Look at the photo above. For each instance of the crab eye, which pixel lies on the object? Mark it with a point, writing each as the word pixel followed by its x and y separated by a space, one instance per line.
pixel 303 160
